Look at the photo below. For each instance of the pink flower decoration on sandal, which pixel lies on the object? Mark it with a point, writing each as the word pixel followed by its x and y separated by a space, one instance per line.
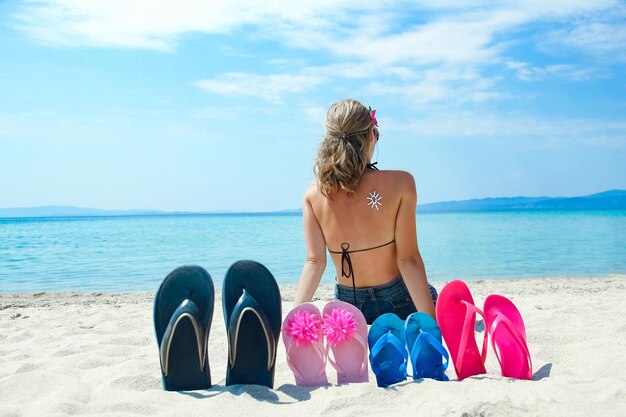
pixel 304 327
pixel 339 325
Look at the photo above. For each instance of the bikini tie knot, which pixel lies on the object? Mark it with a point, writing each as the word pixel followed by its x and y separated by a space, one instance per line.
pixel 346 261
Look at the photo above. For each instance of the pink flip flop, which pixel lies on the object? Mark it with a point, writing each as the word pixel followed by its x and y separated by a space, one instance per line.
pixel 456 316
pixel 345 329
pixel 304 343
pixel 505 326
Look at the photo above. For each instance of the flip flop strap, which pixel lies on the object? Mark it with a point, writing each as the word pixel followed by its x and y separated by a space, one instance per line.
pixel 427 338
pixel 186 309
pixel 471 309
pixel 391 339
pixel 248 304
pixel 338 368
pixel 504 320
pixel 318 350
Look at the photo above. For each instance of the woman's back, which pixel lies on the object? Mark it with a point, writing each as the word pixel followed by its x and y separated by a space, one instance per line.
pixel 365 218
pixel 365 224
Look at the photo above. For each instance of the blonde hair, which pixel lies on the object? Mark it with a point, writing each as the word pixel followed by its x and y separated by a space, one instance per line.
pixel 343 153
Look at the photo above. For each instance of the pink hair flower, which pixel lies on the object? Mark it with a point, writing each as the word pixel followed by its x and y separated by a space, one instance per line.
pixel 373 116
pixel 304 327
pixel 339 325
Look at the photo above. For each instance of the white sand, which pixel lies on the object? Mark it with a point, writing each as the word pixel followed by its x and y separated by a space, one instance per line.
pixel 95 354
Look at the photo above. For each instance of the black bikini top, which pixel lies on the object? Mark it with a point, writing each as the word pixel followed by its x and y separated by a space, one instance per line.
pixel 346 261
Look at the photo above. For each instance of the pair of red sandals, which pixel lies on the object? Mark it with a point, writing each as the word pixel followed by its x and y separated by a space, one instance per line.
pixel 456 316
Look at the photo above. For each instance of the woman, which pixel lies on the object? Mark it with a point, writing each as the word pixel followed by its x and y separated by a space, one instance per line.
pixel 366 217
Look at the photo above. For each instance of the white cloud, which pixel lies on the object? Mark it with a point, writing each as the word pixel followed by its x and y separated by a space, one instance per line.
pixel 8 126
pixel 607 40
pixel 436 84
pixel 536 132
pixel 315 114
pixel 158 24
pixel 368 30
pixel 409 49
pixel 18 124
pixel 269 87
pixel 451 85
pixel 527 72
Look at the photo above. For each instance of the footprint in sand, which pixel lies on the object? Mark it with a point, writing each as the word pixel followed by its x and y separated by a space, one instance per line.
pixel 63 353
pixel 545 306
pixel 28 367
pixel 131 341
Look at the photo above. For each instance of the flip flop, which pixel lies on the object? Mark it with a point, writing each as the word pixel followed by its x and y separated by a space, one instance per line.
pixel 304 342
pixel 505 326
pixel 345 329
pixel 456 315
pixel 423 339
pixel 252 312
pixel 388 354
pixel 183 310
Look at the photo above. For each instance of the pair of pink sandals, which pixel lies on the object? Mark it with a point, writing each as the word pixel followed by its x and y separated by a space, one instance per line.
pixel 311 338
pixel 456 316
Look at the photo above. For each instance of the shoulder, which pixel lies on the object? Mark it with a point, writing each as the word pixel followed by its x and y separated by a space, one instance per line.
pixel 402 183
pixel 311 192
pixel 404 180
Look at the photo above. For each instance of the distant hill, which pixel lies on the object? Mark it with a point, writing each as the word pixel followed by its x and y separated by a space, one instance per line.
pixel 608 200
pixel 68 211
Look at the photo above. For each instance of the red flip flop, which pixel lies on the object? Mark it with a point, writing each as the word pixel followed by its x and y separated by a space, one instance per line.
pixel 505 326
pixel 456 316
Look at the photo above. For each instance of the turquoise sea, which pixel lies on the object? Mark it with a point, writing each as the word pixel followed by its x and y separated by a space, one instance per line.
pixel 136 252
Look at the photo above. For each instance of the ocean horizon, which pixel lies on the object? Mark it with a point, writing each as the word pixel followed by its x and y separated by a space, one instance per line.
pixel 135 252
pixel 604 200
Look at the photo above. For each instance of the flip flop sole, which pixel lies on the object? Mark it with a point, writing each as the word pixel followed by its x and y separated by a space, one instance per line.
pixel 350 355
pixel 254 332
pixel 305 358
pixel 184 370
pixel 511 349
pixel 429 360
pixel 389 364
pixel 451 313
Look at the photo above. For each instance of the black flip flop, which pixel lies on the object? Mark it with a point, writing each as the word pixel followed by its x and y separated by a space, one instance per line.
pixel 183 310
pixel 253 316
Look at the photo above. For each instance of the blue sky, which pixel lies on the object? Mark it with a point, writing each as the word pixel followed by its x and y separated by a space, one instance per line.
pixel 194 105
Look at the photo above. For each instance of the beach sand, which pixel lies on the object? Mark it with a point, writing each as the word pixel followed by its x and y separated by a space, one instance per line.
pixel 96 354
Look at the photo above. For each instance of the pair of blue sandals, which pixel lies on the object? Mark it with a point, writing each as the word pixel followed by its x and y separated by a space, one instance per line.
pixel 183 311
pixel 394 343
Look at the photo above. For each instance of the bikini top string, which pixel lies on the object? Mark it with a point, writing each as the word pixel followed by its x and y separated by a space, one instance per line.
pixel 345 260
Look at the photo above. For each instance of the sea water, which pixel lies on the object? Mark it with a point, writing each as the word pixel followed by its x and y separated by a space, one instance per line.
pixel 136 252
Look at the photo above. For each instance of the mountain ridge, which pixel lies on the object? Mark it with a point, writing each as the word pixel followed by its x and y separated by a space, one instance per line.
pixel 606 200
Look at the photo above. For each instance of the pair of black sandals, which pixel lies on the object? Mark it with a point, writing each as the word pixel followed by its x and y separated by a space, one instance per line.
pixel 183 312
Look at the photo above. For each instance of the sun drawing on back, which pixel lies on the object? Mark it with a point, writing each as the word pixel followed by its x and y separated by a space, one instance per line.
pixel 374 199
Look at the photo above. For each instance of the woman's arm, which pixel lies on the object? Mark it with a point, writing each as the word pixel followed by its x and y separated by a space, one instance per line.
pixel 315 256
pixel 409 259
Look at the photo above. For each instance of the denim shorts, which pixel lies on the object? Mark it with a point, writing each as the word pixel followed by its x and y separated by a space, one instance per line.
pixel 392 297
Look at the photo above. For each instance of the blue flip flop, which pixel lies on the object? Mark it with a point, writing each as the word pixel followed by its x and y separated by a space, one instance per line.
pixel 253 316
pixel 423 338
pixel 183 310
pixel 388 354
